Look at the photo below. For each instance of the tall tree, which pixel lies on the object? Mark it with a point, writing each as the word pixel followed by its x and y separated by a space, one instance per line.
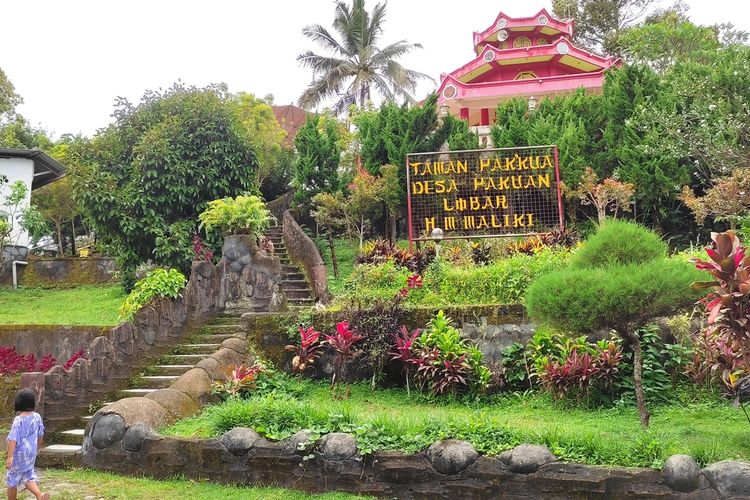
pixel 599 23
pixel 316 169
pixel 144 179
pixel 8 98
pixel 358 63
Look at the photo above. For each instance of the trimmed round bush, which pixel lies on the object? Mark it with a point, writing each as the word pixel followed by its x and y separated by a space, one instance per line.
pixel 619 242
pixel 585 300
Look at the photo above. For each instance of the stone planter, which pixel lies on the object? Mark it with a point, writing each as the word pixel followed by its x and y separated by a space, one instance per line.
pixel 9 385
pixel 250 278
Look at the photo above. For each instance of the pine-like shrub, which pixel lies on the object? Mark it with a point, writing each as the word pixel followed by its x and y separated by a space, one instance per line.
pixel 619 242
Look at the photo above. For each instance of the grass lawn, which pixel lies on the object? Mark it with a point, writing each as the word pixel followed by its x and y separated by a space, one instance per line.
pixel 76 484
pixel 86 305
pixel 699 425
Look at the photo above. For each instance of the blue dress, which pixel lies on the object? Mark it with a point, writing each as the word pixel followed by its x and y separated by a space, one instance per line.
pixel 26 430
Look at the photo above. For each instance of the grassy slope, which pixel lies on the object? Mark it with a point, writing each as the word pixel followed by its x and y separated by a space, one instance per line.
pixel 706 430
pixel 346 254
pixel 86 305
pixel 76 484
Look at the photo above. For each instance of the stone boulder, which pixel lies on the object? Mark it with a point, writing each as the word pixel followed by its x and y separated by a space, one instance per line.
pixel 107 430
pixel 730 478
pixel 134 410
pixel 681 473
pixel 211 366
pixel 195 383
pixel 227 357
pixel 239 440
pixel 338 446
pixel 177 403
pixel 236 344
pixel 451 456
pixel 527 458
pixel 134 436
pixel 292 444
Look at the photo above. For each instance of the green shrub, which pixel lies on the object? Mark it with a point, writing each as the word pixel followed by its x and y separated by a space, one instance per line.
pixel 374 282
pixel 245 214
pixel 159 283
pixel 619 242
pixel 586 300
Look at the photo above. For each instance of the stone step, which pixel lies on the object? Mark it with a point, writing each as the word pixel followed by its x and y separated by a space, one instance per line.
pixel 59 455
pixel 222 328
pixel 156 381
pixel 170 369
pixel 307 301
pixel 188 358
pixel 134 393
pixel 71 436
pixel 293 294
pixel 197 348
pixel 220 337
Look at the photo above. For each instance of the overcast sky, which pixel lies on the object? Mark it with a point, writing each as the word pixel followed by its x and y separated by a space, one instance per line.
pixel 70 59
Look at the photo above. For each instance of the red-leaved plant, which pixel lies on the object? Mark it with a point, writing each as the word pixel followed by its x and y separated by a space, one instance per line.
pixel 450 375
pixel 728 304
pixel 342 342
pixel 578 373
pixel 47 362
pixel 238 380
pixel 309 349
pixel 75 357
pixel 201 251
pixel 403 341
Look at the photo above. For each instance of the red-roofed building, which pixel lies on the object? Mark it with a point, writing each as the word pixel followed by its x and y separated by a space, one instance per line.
pixel 526 56
pixel 291 118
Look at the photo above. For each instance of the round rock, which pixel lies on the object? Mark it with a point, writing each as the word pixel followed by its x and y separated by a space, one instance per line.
pixel 730 478
pixel 292 444
pixel 681 473
pixel 527 458
pixel 239 440
pixel 451 456
pixel 338 446
pixel 134 436
pixel 108 430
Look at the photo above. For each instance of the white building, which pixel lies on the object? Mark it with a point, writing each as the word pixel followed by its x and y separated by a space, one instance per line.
pixel 35 169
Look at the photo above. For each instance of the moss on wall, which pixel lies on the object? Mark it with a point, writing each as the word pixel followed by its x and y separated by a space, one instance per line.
pixel 8 387
pixel 66 272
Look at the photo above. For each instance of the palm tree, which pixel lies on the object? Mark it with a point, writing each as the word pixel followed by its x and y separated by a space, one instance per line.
pixel 357 63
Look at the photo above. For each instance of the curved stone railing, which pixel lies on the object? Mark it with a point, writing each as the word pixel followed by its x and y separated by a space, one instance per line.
pixel 302 250
pixel 280 205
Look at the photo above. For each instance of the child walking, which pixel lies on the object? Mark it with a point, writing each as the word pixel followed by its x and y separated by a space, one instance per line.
pixel 24 439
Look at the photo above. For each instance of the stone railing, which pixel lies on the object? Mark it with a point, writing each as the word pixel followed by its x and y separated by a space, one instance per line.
pixel 64 271
pixel 242 277
pixel 302 250
pixel 280 205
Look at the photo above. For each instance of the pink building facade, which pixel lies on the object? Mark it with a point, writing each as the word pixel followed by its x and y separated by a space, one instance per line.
pixel 531 57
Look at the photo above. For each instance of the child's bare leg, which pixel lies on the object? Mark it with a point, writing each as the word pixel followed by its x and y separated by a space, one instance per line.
pixel 34 489
pixel 12 492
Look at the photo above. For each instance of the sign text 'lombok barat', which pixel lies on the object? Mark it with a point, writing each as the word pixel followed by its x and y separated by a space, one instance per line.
pixel 484 192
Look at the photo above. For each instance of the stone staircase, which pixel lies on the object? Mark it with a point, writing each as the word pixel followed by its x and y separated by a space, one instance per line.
pixel 293 280
pixel 64 438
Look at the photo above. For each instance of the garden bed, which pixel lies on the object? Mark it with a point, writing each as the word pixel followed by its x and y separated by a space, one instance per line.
pixel 383 420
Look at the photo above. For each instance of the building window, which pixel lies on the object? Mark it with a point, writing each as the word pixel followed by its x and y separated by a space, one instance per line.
pixel 525 75
pixel 521 41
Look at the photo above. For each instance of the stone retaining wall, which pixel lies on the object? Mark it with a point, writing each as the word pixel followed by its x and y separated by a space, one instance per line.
pixel 60 341
pixel 64 272
pixel 448 469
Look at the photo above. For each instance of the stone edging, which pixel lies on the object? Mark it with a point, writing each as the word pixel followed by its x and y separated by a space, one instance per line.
pixel 447 469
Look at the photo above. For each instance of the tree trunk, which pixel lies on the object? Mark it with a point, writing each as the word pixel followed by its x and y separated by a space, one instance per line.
pixel 334 260
pixel 640 396
pixel 60 248
pixel 73 240
pixel 361 231
pixel 394 222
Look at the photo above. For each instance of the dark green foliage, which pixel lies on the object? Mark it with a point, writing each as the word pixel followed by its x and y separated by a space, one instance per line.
pixel 145 178
pixel 390 133
pixel 318 157
pixel 619 242
pixel 280 176
pixel 657 383
pixel 461 137
pixel 589 299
